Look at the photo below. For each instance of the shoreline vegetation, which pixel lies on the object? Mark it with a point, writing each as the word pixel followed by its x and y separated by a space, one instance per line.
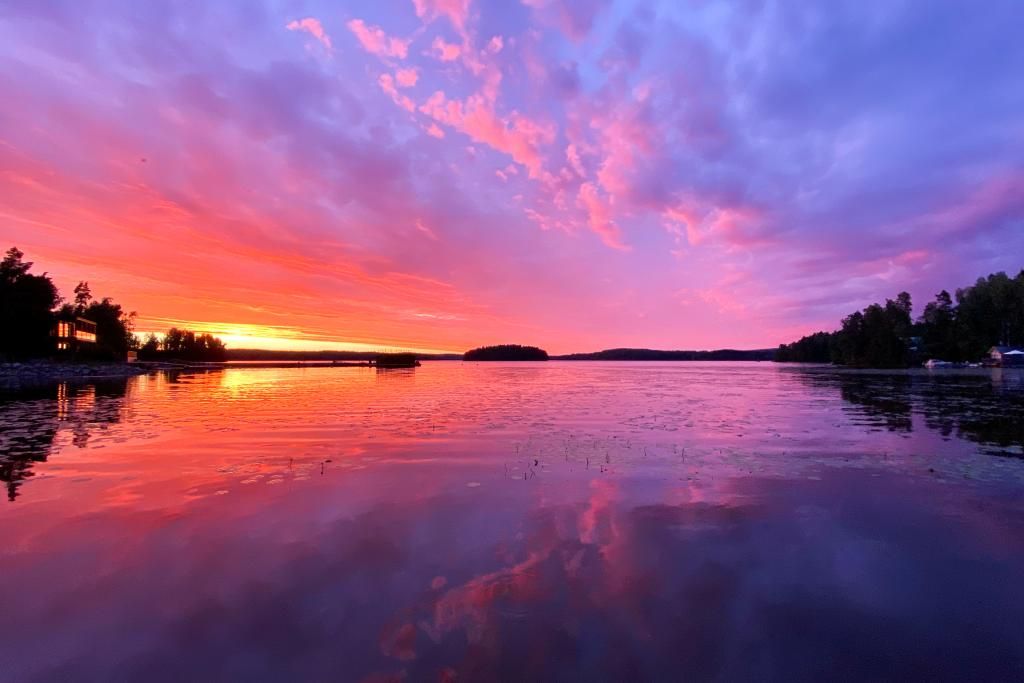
pixel 32 311
pixel 31 306
pixel 251 355
pixel 620 354
pixel 183 346
pixel 958 329
pixel 658 355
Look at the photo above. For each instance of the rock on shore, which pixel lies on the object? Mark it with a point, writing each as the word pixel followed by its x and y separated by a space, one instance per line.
pixel 48 371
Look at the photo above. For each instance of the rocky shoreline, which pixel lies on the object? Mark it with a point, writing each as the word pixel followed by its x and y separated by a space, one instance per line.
pixel 34 372
pixel 29 373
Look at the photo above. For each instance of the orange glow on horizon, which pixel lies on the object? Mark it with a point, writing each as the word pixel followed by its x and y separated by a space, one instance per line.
pixel 269 338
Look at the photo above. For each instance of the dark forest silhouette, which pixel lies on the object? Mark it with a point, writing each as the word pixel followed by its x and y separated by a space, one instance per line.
pixel 26 307
pixel 30 305
pixel 180 344
pixel 962 328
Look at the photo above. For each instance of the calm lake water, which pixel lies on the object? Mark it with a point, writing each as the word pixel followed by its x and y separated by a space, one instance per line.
pixel 551 521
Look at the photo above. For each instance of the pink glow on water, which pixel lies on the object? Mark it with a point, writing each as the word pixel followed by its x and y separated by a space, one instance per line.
pixel 453 517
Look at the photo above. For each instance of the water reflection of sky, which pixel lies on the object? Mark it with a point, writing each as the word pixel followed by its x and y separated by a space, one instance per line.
pixel 559 522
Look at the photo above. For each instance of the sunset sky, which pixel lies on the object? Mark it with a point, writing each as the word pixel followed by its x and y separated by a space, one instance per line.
pixel 575 174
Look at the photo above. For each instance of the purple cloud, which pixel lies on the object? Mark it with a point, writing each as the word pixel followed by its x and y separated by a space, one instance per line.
pixel 577 174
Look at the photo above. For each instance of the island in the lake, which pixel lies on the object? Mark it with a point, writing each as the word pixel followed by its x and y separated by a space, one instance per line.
pixel 506 352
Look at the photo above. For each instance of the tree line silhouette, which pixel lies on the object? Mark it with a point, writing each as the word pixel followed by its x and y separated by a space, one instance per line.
pixel 184 345
pixel 957 328
pixel 662 355
pixel 31 304
pixel 26 305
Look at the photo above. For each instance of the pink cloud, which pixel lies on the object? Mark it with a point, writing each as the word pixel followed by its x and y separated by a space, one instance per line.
pixel 734 226
pixel 313 27
pixel 624 135
pixel 387 84
pixel 998 197
pixel 301 181
pixel 446 52
pixel 683 216
pixel 574 18
pixel 599 215
pixel 425 230
pixel 572 155
pixel 737 225
pixel 406 78
pixel 518 136
pixel 457 11
pixel 375 41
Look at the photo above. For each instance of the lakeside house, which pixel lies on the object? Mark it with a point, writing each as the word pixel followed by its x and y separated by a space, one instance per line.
pixel 1006 355
pixel 72 333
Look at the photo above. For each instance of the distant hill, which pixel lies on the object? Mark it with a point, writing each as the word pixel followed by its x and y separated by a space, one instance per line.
pixel 506 352
pixel 654 354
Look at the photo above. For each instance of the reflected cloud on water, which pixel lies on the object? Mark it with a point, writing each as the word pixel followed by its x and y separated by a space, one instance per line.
pixel 985 408
pixel 614 581
pixel 566 522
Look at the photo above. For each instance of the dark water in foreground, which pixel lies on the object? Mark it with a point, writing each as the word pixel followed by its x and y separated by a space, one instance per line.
pixel 560 521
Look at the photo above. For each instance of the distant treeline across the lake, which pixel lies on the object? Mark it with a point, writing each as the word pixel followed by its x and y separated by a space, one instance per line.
pixel 654 354
pixel 281 355
pixel 958 328
pixel 184 345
